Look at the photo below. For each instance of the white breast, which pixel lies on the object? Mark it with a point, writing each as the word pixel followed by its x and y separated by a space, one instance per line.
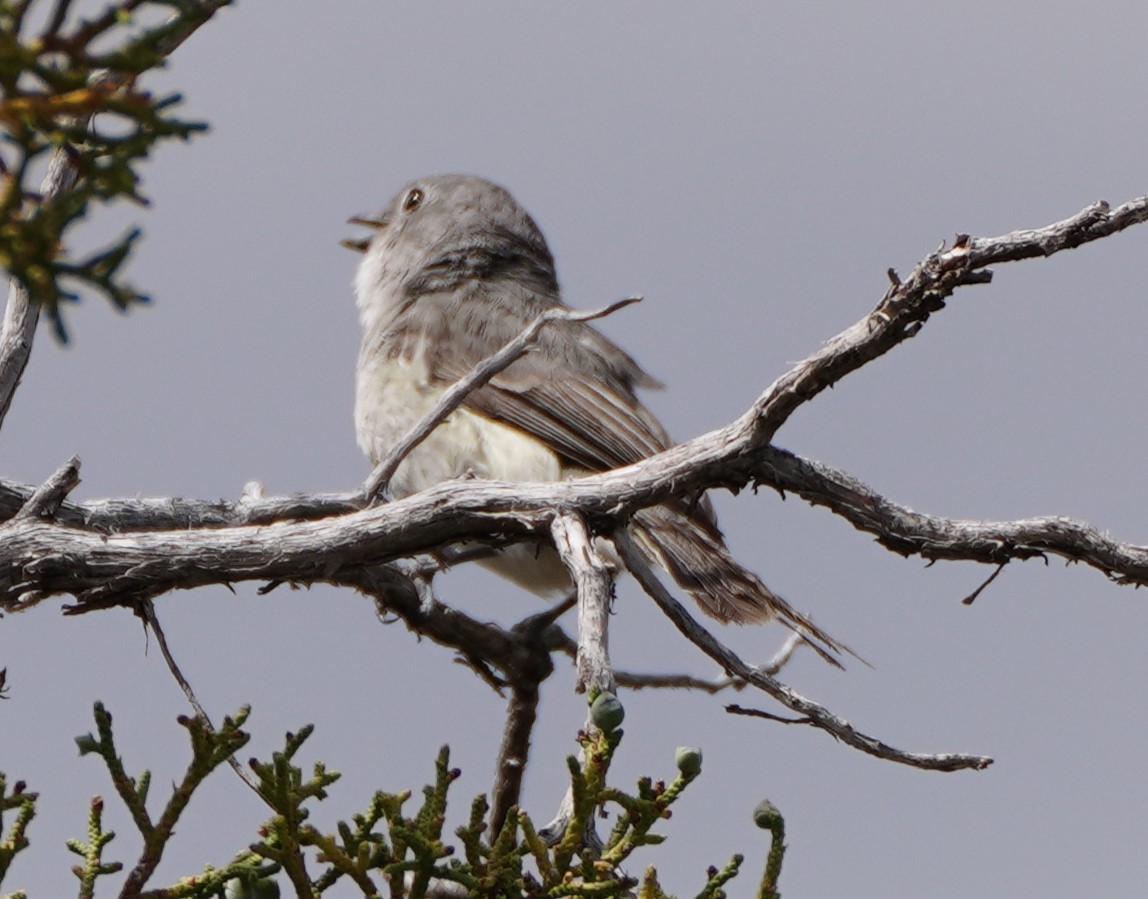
pixel 392 396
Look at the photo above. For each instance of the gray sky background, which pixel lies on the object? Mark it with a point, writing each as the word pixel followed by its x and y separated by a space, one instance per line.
pixel 752 169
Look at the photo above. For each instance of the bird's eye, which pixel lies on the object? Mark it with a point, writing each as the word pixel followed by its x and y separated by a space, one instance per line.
pixel 413 200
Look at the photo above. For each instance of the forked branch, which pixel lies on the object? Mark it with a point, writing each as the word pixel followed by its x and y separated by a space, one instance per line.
pixel 815 714
pixel 118 551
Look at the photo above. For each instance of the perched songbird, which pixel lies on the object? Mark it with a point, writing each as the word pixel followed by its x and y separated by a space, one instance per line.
pixel 454 270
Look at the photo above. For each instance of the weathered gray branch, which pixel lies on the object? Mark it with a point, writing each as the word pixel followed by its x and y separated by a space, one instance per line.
pixel 594 585
pixel 908 304
pixel 21 315
pixel 127 547
pixel 594 589
pixel 907 532
pixel 123 550
pixel 815 714
pixel 176 513
pixel 47 498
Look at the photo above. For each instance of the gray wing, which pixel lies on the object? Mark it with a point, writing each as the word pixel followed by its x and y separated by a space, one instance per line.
pixel 575 391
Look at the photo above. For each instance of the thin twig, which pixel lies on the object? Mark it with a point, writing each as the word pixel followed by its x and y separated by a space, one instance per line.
pixel 819 716
pixel 147 611
pixel 783 655
pixel 735 709
pixel 641 681
pixel 456 394
pixel 635 680
pixel 971 598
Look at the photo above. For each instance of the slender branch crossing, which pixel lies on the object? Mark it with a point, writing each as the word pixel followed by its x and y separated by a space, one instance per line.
pixel 118 552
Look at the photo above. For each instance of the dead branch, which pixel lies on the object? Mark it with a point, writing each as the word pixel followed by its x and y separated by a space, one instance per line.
pixel 119 551
pixel 147 612
pixel 907 532
pixel 908 304
pixel 21 315
pixel 106 561
pixel 513 754
pixel 595 591
pixel 817 715
pixel 47 498
pixel 38 559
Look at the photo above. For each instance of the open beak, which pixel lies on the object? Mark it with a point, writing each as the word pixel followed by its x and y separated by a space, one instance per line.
pixel 360 246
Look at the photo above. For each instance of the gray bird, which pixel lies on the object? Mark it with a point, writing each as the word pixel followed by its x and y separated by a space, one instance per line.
pixel 454 270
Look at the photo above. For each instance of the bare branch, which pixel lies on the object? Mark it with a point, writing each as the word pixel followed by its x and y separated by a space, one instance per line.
pixel 783 655
pixel 48 497
pixel 104 562
pixel 735 709
pixel 457 393
pixel 818 715
pixel 103 569
pixel 21 315
pixel 635 680
pixel 175 513
pixel 117 552
pixel 595 590
pixel 1091 223
pixel 513 754
pixel 641 681
pixel 908 304
pixel 147 611
pixel 912 533
pixel 539 631
pixel 109 561
pixel 594 586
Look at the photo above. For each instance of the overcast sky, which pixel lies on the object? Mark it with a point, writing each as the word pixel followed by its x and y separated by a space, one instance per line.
pixel 752 169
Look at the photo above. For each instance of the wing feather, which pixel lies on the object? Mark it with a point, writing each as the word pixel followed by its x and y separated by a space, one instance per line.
pixel 576 391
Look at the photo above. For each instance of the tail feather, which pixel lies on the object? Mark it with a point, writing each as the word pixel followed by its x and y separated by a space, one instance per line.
pixel 691 549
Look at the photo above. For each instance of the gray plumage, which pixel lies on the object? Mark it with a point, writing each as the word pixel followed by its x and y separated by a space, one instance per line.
pixel 456 268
